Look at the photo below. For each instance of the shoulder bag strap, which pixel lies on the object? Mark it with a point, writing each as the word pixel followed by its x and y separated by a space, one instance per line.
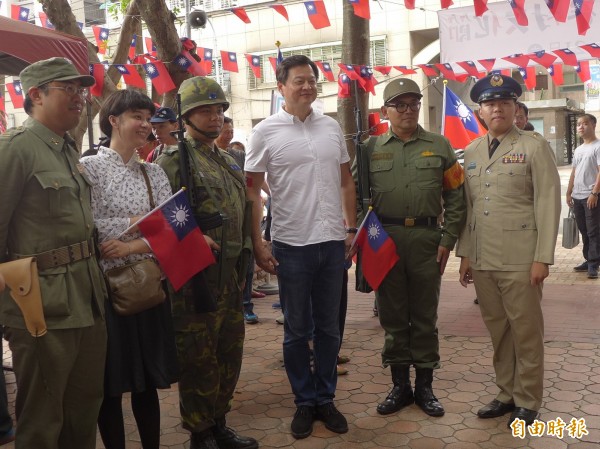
pixel 148 186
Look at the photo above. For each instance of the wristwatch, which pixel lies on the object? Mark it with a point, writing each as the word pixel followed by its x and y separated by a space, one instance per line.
pixel 351 230
pixel 596 194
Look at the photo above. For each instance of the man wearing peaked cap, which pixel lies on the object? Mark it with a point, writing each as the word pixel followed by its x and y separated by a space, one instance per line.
pixel 164 123
pixel 512 189
pixel 46 213
pixel 411 173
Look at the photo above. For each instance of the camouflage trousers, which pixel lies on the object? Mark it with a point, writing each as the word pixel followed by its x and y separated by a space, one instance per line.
pixel 210 349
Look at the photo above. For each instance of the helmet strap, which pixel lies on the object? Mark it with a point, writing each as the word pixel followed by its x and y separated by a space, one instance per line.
pixel 211 135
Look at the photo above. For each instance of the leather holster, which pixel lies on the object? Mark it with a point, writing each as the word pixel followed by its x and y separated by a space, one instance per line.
pixel 21 276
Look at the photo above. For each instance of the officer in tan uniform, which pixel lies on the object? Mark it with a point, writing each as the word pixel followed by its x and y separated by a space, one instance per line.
pixel 411 172
pixel 210 339
pixel 47 213
pixel 513 207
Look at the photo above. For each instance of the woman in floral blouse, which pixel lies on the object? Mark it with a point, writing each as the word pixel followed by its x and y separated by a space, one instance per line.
pixel 141 349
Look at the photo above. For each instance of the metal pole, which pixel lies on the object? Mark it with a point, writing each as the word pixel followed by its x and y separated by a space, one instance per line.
pixel 188 27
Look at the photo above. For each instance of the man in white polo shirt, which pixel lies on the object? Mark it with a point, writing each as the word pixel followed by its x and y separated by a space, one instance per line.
pixel 312 193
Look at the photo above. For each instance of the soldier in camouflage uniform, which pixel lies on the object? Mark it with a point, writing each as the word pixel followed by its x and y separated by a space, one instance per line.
pixel 210 339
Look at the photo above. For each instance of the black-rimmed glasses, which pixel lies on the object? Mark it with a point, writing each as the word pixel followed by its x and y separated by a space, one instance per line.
pixel 403 107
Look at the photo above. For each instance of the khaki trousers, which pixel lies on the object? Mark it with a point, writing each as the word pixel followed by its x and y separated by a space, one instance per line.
pixel 511 309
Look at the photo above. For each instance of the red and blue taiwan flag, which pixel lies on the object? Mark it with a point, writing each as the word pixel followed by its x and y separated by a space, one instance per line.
pixel 378 250
pixel 459 124
pixel 176 240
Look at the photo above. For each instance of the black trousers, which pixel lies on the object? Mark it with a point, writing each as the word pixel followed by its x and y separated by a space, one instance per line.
pixel 588 222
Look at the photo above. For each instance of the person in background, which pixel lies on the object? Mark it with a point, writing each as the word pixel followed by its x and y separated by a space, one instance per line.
pixel 522 116
pixel 147 148
pixel 226 135
pixel 47 213
pixel 513 210
pixel 583 191
pixel 305 157
pixel 164 124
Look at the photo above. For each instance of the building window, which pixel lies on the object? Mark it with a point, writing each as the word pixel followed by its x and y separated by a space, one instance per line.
pixel 331 53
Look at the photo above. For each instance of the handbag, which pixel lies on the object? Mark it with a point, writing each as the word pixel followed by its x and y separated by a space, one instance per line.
pixel 136 286
pixel 570 232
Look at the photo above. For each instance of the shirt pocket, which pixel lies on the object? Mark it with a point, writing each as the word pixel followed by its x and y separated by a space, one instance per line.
pixel 53 282
pixel 58 192
pixel 429 173
pixel 381 175
pixel 512 179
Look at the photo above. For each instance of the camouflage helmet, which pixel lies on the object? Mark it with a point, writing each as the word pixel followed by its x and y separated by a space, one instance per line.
pixel 198 91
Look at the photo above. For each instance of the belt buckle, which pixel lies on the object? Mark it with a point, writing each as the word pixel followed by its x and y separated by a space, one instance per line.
pixel 409 222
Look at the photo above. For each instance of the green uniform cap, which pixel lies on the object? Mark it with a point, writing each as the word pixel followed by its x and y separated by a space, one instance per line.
pixel 400 86
pixel 53 69
pixel 200 91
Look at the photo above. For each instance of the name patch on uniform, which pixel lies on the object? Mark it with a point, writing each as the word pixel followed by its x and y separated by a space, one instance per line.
pixel 427 153
pixel 382 156
pixel 235 166
pixel 472 166
pixel 514 158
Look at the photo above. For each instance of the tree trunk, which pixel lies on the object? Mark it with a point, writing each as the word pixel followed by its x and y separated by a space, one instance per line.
pixel 161 25
pixel 355 50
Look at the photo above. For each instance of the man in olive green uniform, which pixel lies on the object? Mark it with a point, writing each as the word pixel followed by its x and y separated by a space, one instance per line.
pixel 411 173
pixel 513 210
pixel 46 212
pixel 210 341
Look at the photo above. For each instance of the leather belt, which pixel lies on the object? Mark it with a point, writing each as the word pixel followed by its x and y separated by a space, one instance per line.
pixel 409 221
pixel 62 256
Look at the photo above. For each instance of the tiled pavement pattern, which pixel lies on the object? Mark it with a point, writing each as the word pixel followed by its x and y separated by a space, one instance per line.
pixel 263 404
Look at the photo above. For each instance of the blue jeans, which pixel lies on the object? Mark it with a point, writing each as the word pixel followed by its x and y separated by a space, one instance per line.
pixel 310 287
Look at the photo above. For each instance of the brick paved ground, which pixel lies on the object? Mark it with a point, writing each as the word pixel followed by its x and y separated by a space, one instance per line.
pixel 264 407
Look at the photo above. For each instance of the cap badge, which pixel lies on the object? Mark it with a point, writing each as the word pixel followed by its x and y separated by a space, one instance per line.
pixel 212 95
pixel 496 81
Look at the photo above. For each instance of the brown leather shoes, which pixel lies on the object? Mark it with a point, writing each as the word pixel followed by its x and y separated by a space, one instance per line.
pixel 495 409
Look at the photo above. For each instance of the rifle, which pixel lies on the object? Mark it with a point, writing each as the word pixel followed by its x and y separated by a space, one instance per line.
pixel 362 164
pixel 204 300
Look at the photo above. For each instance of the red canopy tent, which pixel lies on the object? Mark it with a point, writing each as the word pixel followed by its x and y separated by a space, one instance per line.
pixel 22 43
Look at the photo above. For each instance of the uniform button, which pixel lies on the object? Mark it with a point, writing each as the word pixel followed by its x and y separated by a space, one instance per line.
pixel 485 212
pixel 88 226
pixel 487 198
pixel 407 186
pixel 487 184
pixel 523 226
pixel 488 171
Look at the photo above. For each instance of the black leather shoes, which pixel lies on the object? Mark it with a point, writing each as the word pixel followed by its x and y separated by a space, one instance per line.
pixel 495 409
pixel 525 414
pixel 399 397
pixel 226 438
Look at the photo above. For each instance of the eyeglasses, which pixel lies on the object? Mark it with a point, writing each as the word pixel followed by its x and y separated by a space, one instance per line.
pixel 72 90
pixel 403 107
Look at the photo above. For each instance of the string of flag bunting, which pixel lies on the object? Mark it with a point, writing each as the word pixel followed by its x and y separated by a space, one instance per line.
pixel 157 72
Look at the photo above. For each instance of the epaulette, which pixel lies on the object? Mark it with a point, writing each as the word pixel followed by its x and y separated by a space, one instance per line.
pixel 12 133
